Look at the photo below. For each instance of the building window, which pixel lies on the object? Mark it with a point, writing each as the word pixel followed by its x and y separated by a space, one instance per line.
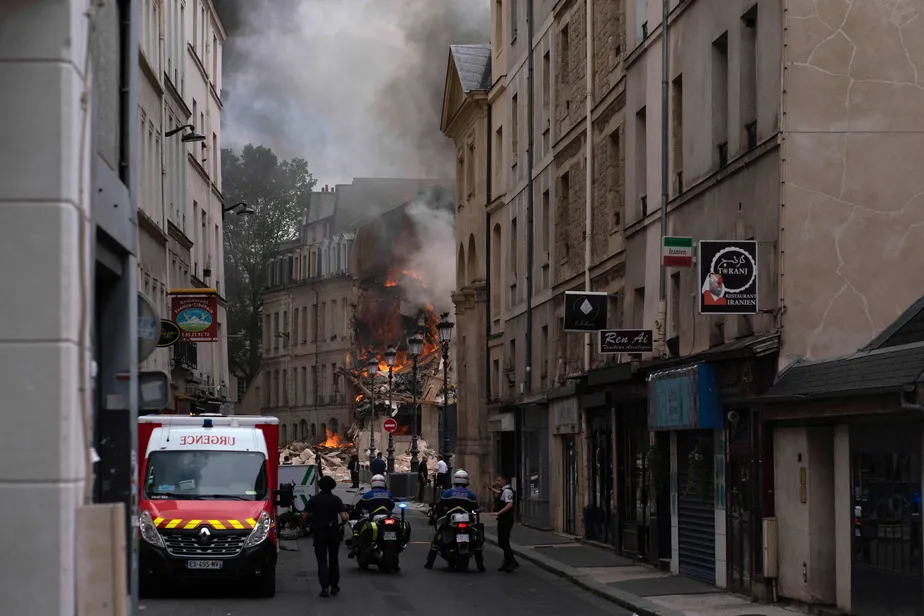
pixel 677 130
pixel 720 98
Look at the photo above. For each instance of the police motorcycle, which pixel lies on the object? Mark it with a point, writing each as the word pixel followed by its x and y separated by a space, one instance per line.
pixel 461 533
pixel 379 537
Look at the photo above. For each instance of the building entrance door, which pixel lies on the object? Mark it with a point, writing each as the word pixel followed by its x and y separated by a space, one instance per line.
pixel 632 450
pixel 886 572
pixel 740 488
pixel 569 483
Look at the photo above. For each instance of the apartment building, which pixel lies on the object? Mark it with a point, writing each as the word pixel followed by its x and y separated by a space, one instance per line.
pixel 153 277
pixel 465 120
pixel 201 376
pixel 792 129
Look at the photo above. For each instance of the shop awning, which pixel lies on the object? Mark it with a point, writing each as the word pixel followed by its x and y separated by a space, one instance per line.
pixel 889 362
pixel 878 371
pixel 501 422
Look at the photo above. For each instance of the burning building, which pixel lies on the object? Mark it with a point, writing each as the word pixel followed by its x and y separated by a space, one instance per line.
pixel 398 293
pixel 312 293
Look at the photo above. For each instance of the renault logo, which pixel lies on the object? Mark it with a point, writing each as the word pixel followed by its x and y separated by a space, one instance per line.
pixel 205 536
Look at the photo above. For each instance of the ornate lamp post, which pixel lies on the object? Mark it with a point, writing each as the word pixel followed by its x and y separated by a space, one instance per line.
pixel 390 355
pixel 444 329
pixel 372 369
pixel 416 346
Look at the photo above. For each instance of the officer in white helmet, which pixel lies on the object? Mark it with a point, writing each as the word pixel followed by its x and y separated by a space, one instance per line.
pixel 457 498
pixel 376 500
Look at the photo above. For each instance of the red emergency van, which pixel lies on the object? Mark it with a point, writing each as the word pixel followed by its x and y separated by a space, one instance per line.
pixel 207 500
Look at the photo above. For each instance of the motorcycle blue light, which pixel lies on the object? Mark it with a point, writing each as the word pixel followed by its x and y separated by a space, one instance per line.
pixel 402 505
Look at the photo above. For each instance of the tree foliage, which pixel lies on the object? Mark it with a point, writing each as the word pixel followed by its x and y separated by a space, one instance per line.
pixel 277 191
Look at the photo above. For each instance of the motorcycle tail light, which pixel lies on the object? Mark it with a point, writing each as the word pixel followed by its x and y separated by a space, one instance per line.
pixel 388 521
pixel 463 525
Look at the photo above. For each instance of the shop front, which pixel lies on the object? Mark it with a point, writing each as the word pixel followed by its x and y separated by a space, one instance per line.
pixel 533 430
pixel 686 403
pixel 615 409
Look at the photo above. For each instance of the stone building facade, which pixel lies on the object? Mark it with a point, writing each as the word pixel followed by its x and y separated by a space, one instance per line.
pixel 465 121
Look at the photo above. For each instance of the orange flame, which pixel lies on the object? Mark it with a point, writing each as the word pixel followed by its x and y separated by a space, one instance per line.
pixel 333 439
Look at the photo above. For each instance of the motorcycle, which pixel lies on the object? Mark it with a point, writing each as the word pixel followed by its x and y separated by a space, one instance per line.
pixel 384 541
pixel 461 533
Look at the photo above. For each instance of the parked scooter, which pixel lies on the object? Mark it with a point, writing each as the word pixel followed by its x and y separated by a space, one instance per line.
pixel 385 537
pixel 461 534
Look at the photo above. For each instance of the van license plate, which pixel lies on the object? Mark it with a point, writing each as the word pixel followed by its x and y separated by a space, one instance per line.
pixel 461 538
pixel 204 564
pixel 392 536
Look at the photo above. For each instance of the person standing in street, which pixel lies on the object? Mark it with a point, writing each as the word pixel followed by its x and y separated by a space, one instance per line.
pixel 353 467
pixel 327 512
pixel 503 509
pixel 378 466
pixel 442 473
pixel 421 479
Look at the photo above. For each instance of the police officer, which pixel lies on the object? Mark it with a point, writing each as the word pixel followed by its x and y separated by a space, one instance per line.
pixel 376 500
pixel 457 498
pixel 503 509
pixel 327 512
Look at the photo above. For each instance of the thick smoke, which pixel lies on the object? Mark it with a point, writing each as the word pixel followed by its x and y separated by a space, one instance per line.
pixel 353 86
pixel 434 261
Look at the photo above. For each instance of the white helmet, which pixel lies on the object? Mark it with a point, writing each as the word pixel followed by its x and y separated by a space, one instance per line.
pixel 460 478
pixel 378 481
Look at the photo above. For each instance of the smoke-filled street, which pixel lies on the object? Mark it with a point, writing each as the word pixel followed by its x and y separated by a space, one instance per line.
pixel 414 590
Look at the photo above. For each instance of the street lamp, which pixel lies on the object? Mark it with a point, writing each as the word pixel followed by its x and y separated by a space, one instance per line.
pixel 189 137
pixel 245 211
pixel 390 355
pixel 416 346
pixel 444 330
pixel 373 369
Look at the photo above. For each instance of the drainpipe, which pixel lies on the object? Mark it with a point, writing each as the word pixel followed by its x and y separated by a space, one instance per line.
pixel 317 345
pixel 661 323
pixel 487 261
pixel 589 144
pixel 529 197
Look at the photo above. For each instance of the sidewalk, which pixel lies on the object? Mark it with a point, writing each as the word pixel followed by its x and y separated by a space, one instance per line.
pixel 633 586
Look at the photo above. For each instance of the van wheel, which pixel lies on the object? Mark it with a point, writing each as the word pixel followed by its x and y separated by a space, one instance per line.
pixel 151 587
pixel 266 583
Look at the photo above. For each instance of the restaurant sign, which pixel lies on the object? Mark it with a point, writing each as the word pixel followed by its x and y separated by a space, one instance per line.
pixel 196 316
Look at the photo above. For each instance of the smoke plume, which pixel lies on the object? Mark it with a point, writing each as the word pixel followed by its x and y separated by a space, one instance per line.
pixel 432 215
pixel 353 86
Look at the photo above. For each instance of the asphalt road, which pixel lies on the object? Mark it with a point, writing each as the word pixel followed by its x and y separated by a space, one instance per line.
pixel 414 590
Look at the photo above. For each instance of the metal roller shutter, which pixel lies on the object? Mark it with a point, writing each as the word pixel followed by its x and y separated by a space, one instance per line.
pixel 696 519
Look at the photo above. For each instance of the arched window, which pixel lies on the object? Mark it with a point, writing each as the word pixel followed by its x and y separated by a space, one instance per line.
pixel 496 252
pixel 294 433
pixel 334 259
pixel 472 259
pixel 460 268
pixel 283 437
pixel 333 425
pixel 304 429
pixel 323 435
pixel 314 430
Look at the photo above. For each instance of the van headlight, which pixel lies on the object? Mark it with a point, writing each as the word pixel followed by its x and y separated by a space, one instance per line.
pixel 149 531
pixel 260 532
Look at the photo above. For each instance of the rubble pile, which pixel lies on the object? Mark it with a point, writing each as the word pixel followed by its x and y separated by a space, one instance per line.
pixel 429 386
pixel 335 459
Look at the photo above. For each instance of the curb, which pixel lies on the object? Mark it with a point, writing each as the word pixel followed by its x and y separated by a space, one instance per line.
pixel 633 603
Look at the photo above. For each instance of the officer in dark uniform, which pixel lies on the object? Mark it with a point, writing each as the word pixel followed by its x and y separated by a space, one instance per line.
pixel 503 509
pixel 327 512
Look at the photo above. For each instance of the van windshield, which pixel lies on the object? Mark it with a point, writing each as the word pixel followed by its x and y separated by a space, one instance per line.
pixel 196 475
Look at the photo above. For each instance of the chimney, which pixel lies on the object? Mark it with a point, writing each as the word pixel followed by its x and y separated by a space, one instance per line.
pixel 326 188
